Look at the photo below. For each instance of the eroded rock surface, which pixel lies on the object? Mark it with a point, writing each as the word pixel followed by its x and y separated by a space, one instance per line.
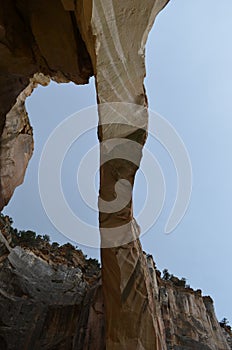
pixel 51 298
pixel 17 142
pixel 114 35
pixel 189 318
pixel 35 37
pixel 116 39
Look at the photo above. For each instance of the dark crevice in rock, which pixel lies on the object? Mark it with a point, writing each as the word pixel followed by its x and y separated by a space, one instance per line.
pixel 83 57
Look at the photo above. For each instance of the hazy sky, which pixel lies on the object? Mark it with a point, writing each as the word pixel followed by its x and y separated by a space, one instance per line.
pixel 189 82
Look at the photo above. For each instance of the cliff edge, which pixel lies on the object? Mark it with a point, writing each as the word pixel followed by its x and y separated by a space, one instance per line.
pixel 51 298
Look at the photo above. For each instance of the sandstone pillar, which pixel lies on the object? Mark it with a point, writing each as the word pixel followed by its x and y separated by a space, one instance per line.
pixel 115 33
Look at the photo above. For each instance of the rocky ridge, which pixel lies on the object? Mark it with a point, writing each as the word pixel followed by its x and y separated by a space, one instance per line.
pixel 45 296
pixel 51 298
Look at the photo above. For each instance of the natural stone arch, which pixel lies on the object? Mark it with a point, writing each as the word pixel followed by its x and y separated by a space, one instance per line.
pixel 115 35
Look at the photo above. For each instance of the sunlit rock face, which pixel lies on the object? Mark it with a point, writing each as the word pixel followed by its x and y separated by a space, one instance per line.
pixel 17 142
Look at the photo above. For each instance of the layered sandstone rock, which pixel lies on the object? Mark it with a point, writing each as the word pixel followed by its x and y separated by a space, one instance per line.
pixel 189 318
pixel 51 298
pixel 48 300
pixel 115 36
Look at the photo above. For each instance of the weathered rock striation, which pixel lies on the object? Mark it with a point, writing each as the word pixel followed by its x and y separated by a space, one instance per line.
pixel 115 36
pixel 189 318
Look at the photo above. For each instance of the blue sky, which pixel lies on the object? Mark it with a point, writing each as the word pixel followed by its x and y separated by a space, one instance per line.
pixel 189 82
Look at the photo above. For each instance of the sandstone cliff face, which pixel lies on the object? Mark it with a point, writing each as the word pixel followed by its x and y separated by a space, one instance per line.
pixel 54 301
pixel 189 318
pixel 194 325
pixel 47 304
pixel 32 41
pixel 17 142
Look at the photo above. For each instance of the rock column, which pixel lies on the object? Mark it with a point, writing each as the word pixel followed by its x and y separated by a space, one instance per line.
pixel 115 34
